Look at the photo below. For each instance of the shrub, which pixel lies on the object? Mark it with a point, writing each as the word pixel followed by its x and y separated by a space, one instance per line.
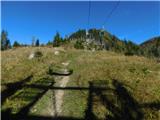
pixel 57 40
pixel 38 54
pixel 79 45
pixel 145 70
pixel 129 53
pixel 16 44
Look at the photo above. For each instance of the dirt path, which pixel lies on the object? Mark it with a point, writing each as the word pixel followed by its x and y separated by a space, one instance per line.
pixel 59 95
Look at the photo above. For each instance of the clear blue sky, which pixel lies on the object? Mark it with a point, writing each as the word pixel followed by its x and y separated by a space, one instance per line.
pixel 136 21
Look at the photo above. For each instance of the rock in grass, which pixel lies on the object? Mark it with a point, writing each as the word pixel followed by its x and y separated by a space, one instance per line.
pixel 31 56
pixel 93 50
pixel 65 63
pixel 36 54
pixel 56 52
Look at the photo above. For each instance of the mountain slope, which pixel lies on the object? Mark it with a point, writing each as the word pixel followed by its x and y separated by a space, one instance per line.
pixel 151 47
pixel 152 41
pixel 99 39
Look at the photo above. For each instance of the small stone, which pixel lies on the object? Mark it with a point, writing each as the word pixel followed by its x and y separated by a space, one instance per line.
pixel 31 56
pixel 34 110
pixel 93 50
pixel 56 52
pixel 65 63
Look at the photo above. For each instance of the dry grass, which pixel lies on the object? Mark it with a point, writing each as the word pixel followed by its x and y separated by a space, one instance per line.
pixel 139 75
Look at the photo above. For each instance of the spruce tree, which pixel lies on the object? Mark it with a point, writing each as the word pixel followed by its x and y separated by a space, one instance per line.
pixel 37 42
pixel 49 43
pixel 57 40
pixel 16 44
pixel 5 42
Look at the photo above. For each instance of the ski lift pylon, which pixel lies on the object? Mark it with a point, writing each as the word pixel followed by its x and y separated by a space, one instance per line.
pixel 87 34
pixel 102 31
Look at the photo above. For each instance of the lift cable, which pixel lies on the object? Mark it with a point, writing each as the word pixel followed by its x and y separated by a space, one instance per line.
pixel 111 12
pixel 89 13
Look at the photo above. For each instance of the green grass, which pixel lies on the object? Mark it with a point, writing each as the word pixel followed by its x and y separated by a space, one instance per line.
pixel 140 77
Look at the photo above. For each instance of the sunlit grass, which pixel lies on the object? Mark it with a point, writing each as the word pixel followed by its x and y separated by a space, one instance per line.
pixel 139 75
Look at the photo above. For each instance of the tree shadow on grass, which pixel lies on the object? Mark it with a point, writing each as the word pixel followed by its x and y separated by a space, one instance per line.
pixel 29 94
pixel 13 87
pixel 129 107
pixel 117 100
pixel 120 104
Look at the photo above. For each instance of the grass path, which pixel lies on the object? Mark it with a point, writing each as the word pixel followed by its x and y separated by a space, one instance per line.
pixel 60 93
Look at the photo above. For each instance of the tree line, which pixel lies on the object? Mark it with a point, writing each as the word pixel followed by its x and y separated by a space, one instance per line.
pixel 6 44
pixel 78 39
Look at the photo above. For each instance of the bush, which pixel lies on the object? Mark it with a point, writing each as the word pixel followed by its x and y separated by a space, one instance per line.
pixel 16 44
pixel 38 54
pixel 129 53
pixel 145 70
pixel 57 40
pixel 79 45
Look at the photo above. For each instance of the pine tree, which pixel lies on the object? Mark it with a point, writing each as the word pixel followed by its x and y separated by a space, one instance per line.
pixel 79 44
pixel 5 42
pixel 16 44
pixel 49 43
pixel 37 42
pixel 57 40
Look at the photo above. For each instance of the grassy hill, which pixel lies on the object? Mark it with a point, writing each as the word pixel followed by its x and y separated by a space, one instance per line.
pixel 103 85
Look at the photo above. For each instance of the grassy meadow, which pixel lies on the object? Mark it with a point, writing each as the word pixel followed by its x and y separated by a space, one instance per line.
pixel 103 84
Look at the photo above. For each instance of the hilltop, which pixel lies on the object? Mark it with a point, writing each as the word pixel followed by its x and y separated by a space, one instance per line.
pixel 100 39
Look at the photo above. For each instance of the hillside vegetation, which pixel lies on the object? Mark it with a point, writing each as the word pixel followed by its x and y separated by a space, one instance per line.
pixel 150 48
pixel 103 85
pixel 93 39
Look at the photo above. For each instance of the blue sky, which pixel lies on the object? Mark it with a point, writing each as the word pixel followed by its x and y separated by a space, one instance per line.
pixel 136 21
